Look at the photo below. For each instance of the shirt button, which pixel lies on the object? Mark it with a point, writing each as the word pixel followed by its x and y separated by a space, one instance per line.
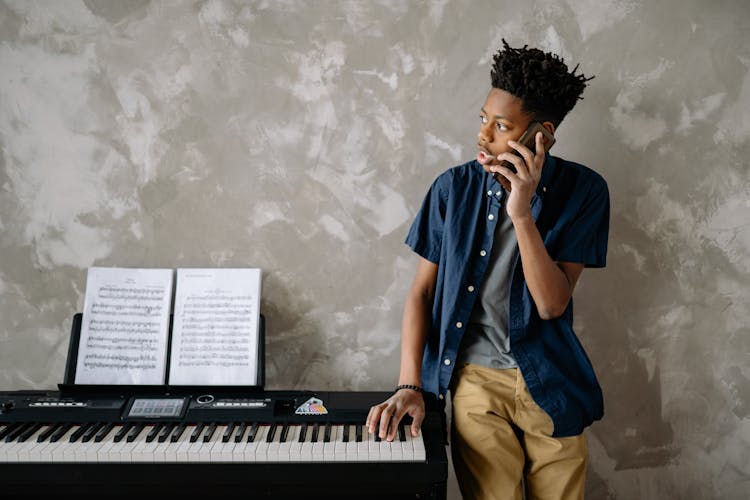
pixel 489 193
pixel 482 253
pixel 459 325
pixel 440 396
pixel 491 217
pixel 498 193
pixel 447 362
pixel 471 288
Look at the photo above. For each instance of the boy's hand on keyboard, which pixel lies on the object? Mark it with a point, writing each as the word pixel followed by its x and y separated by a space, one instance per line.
pixel 385 416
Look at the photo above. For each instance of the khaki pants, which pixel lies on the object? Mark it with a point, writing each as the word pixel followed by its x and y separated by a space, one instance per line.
pixel 501 439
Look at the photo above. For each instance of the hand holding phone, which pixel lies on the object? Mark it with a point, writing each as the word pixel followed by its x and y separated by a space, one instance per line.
pixel 528 139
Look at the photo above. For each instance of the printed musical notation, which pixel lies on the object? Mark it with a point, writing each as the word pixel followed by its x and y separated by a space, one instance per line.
pixel 125 326
pixel 215 333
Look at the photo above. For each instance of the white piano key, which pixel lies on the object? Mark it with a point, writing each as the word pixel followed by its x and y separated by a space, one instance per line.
pixel 204 452
pixel 408 446
pixel 222 451
pixel 184 444
pixel 420 454
pixel 306 447
pixel 256 451
pixel 373 447
pixel 295 447
pixel 318 446
pixel 273 447
pixel 170 448
pixel 363 447
pixel 24 452
pixel 339 448
pixel 397 451
pixel 194 451
pixel 9 451
pixel 137 448
pixel 285 448
pixel 352 448
pixel 39 453
pixel 56 452
pixel 329 448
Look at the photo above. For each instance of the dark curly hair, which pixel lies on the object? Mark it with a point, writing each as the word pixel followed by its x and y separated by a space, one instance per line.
pixel 540 79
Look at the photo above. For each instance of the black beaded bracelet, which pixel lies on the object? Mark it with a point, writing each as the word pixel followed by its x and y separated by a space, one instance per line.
pixel 407 386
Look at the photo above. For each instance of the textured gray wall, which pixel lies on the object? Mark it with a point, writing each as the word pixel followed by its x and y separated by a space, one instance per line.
pixel 300 137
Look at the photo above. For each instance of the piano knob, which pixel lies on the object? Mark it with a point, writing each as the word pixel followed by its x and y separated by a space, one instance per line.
pixel 205 399
pixel 7 406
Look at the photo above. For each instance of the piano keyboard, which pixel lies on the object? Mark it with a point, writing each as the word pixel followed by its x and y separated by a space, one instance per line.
pixel 209 442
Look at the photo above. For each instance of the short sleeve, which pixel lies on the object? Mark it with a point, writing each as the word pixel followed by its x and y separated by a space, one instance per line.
pixel 585 239
pixel 426 233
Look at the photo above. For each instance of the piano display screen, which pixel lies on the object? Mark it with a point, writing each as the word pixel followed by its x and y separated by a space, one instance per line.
pixel 157 408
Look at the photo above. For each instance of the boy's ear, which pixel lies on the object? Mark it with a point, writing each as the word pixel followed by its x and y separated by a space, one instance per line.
pixel 549 126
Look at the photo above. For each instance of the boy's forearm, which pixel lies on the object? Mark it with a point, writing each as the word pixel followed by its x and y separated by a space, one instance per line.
pixel 414 329
pixel 548 284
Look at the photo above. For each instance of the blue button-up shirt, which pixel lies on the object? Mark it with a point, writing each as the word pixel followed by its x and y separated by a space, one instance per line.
pixel 454 230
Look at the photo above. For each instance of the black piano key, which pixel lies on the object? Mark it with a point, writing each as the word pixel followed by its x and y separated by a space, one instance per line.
pixel 47 433
pixel 123 432
pixel 240 432
pixel 103 432
pixel 358 431
pixel 17 430
pixel 327 433
pixel 7 430
pixel 29 432
pixel 177 433
pixel 228 433
pixel 345 437
pixel 91 432
pixel 253 432
pixel 302 433
pixel 284 433
pixel 197 432
pixel 377 436
pixel 79 432
pixel 168 428
pixel 402 433
pixel 209 432
pixel 154 432
pixel 137 429
pixel 315 431
pixel 271 433
pixel 60 432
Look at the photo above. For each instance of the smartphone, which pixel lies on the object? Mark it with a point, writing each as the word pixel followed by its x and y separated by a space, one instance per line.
pixel 528 139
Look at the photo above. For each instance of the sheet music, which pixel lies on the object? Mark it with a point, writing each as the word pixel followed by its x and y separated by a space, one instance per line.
pixel 125 326
pixel 215 332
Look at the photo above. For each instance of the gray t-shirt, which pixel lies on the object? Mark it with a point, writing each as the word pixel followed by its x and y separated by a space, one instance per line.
pixel 486 341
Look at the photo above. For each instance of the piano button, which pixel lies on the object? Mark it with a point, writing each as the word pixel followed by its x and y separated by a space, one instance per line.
pixel 227 435
pixel 168 428
pixel 60 432
pixel 102 433
pixel 122 432
pixel 240 432
pixel 135 431
pixel 91 432
pixel 253 432
pixel 271 433
pixel 177 433
pixel 154 432
pixel 209 432
pixel 197 432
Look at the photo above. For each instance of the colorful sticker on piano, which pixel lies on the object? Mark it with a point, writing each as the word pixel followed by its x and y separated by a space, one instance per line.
pixel 312 406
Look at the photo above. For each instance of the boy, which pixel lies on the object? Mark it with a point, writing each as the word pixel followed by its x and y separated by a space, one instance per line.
pixel 501 248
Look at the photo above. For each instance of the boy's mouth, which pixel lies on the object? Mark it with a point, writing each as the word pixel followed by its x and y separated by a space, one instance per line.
pixel 484 157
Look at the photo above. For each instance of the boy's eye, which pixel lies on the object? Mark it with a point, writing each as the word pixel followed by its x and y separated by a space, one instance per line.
pixel 483 119
pixel 501 126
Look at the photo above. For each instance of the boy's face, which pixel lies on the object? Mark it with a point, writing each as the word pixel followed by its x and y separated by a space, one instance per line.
pixel 502 119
